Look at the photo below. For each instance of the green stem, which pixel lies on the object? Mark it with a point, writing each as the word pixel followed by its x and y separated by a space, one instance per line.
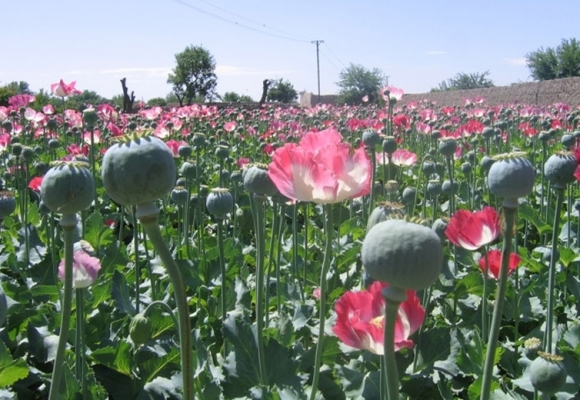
pixel 148 215
pixel 163 305
pixel 220 227
pixel 328 228
pixel 137 265
pixel 484 317
pixel 390 372
pixel 552 272
pixel 372 194
pixel 80 365
pixel 297 279
pixel 68 223
pixel 509 214
pixel 258 208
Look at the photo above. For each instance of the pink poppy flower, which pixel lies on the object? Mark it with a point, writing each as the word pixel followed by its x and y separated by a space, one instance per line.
pixel 20 100
pixel 174 146
pixel 34 116
pixel 62 89
pixel 471 230
pixel 394 93
pixel 360 319
pixel 4 141
pixel 230 126
pixel 85 266
pixel 35 183
pixel 404 158
pixel 494 263
pixel 321 169
pixel 48 109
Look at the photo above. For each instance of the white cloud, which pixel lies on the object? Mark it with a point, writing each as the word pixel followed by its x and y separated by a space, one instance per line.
pixel 151 71
pixel 436 53
pixel 518 62
pixel 233 71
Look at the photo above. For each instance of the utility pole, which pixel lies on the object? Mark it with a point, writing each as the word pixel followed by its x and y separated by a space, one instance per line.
pixel 317 42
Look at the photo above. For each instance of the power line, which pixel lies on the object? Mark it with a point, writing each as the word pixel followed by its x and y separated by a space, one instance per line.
pixel 254 22
pixel 330 61
pixel 236 23
pixel 331 52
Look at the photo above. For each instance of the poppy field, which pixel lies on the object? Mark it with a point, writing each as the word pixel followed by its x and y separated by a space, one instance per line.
pixel 416 251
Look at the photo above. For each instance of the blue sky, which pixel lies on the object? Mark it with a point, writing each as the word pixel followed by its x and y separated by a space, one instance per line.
pixel 416 43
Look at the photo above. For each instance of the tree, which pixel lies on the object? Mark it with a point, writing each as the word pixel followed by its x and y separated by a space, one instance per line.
pixel 464 81
pixel 356 82
pixel 233 97
pixel 193 78
pixel 550 63
pixel 12 89
pixel 282 91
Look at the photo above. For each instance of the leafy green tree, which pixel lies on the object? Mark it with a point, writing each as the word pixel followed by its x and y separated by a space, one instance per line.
pixel 12 89
pixel 464 81
pixel 157 101
pixel 193 78
pixel 282 91
pixel 233 97
pixel 357 82
pixel 553 63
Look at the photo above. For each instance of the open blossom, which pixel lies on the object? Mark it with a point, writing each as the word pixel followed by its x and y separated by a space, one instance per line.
pixel 35 183
pixel 20 100
pixel 471 230
pixel 393 93
pixel 321 169
pixel 62 89
pixel 400 157
pixel 360 319
pixel 494 263
pixel 85 266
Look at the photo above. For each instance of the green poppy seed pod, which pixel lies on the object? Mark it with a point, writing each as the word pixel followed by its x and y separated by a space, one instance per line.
pixel 466 168
pixel 7 204
pixel 577 134
pixel 486 163
pixel 371 138
pixel 553 132
pixel 434 187
pixel 559 169
pixel 51 124
pixel 488 132
pixel 219 202
pixel 531 348
pixel 68 187
pixel 138 171
pixel 256 180
pixel 199 140
pixel 577 205
pixel 27 153
pixel 511 176
pixel 439 226
pixel 435 134
pixel 447 146
pixel 568 140
pixel 547 255
pixel 180 182
pixel 236 177
pixel 448 188
pixel 184 151
pixel 90 117
pixel 169 125
pixel 53 144
pixel 440 169
pixel 404 254
pixel 544 136
pixel 179 195
pixel 428 168
pixel 188 170
pixel 16 149
pixel 225 175
pixel 548 373
pixel 384 211
pixel 389 144
pixel 222 152
pixel 409 195
pixel 41 167
pixel 140 329
pixel 7 126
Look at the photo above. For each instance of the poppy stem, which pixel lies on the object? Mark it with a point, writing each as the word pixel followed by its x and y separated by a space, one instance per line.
pixel 328 230
pixel 68 223
pixel 509 214
pixel 393 298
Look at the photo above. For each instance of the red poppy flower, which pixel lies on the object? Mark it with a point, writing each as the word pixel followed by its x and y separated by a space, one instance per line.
pixel 360 319
pixel 494 263
pixel 35 183
pixel 471 230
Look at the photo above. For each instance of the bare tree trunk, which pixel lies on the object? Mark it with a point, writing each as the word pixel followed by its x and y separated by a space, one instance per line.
pixel 127 100
pixel 265 86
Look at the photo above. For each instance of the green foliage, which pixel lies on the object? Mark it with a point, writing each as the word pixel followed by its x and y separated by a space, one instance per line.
pixel 357 82
pixel 193 77
pixel 233 97
pixel 282 91
pixel 465 81
pixel 157 101
pixel 553 63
